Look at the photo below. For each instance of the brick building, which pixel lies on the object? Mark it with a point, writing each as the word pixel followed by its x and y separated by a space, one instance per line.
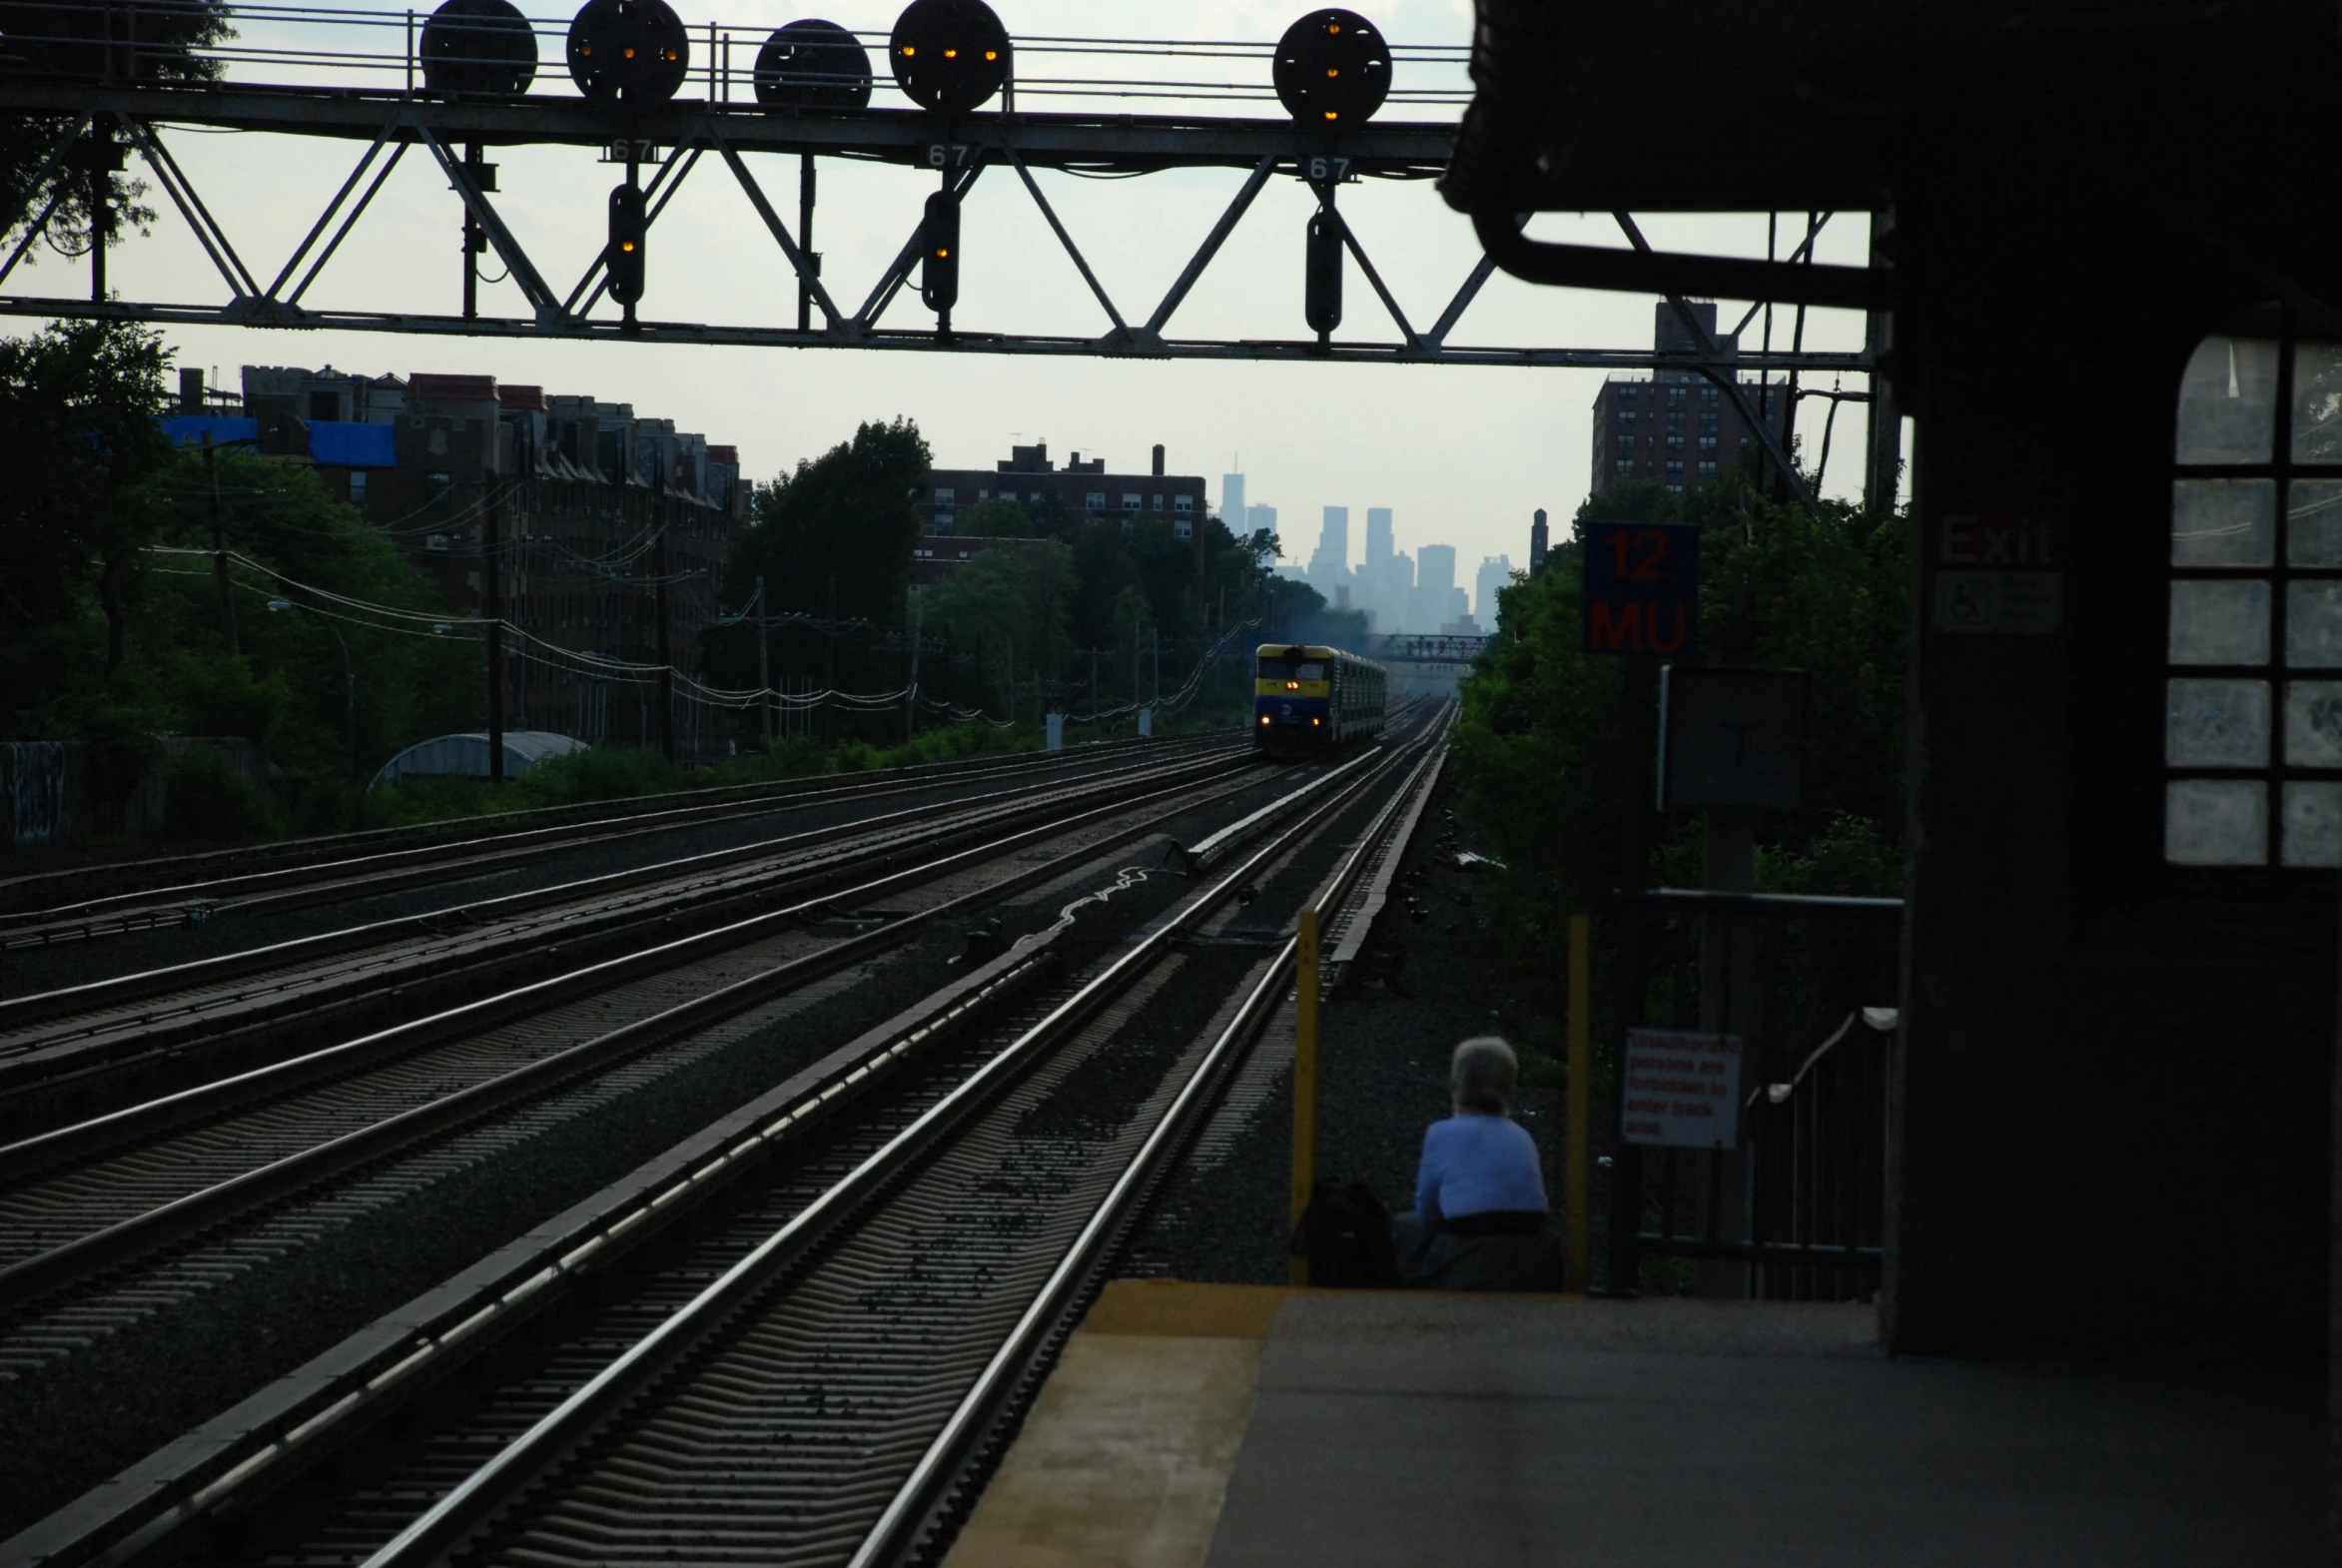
pixel 1676 427
pixel 1087 489
pixel 609 530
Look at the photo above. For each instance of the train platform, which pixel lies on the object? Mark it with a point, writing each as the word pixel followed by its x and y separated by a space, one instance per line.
pixel 1234 1426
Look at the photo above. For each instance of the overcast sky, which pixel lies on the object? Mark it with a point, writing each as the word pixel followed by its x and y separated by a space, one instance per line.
pixel 1461 454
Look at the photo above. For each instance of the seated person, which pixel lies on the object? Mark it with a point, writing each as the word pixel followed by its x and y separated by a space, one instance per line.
pixel 1480 1210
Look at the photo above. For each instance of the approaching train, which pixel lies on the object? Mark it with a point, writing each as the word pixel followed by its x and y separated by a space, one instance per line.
pixel 1308 698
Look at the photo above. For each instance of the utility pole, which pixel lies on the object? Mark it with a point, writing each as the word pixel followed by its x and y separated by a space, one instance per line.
pixel 476 239
pixel 492 608
pixel 104 161
pixel 220 549
pixel 658 579
pixel 764 679
pixel 911 686
pixel 805 241
pixel 829 656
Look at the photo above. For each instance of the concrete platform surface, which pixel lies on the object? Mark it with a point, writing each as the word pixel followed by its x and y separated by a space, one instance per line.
pixel 1465 1430
pixel 1125 1455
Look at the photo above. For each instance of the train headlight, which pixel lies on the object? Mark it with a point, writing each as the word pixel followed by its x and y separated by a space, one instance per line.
pixel 1313 723
pixel 1263 718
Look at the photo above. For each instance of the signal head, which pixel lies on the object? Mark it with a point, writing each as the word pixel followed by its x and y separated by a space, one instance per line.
pixel 478 49
pixel 1332 69
pixel 630 54
pixel 812 63
pixel 948 56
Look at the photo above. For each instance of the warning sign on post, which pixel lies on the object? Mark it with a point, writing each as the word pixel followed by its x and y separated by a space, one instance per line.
pixel 1681 1088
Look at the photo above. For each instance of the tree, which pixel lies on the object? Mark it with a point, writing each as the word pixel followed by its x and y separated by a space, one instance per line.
pixel 1009 609
pixel 995 519
pixel 847 518
pixel 93 41
pixel 77 417
pixel 1537 747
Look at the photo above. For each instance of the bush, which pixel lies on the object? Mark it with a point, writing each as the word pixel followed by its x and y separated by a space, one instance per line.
pixel 605 773
pixel 209 798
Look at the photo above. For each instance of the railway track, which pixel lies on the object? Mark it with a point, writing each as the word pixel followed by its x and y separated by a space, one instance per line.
pixel 807 1375
pixel 47 908
pixel 228 1008
pixel 83 1201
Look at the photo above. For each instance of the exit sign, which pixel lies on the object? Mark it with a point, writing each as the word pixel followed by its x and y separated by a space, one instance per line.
pixel 1642 589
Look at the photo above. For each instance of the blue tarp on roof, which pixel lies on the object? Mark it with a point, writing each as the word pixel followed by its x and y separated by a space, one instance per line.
pixel 351 445
pixel 187 430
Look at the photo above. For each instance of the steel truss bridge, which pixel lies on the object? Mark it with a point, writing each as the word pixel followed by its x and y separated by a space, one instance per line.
pixel 356 97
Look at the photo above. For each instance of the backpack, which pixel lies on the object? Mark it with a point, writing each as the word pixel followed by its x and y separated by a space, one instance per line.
pixel 1347 1233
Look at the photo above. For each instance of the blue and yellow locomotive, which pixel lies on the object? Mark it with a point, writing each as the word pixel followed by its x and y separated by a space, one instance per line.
pixel 1308 698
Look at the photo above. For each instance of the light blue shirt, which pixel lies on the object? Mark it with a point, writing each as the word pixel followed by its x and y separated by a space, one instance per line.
pixel 1474 1165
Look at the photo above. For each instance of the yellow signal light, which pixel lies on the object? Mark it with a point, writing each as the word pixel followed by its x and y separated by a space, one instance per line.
pixel 585 50
pixel 1333 27
pixel 1330 115
pixel 672 56
pixel 626 246
pixel 909 50
pixel 992 54
pixel 629 51
pixel 941 251
pixel 950 54
pixel 1331 73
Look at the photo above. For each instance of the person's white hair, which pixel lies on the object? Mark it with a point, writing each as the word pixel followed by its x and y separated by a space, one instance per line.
pixel 1483 1075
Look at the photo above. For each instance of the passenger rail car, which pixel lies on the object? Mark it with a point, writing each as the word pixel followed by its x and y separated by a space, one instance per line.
pixel 1314 699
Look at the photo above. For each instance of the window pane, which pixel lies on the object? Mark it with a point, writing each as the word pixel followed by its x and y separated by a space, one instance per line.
pixel 2313 624
pixel 2313 523
pixel 2223 522
pixel 2313 825
pixel 2219 622
pixel 2228 401
pixel 2317 403
pixel 2217 725
pixel 2216 822
pixel 2313 723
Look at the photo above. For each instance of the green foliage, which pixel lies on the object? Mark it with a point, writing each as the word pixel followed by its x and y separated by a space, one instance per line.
pixel 77 417
pixel 1010 610
pixel 209 798
pixel 1538 746
pixel 70 41
pixel 603 773
pixel 108 637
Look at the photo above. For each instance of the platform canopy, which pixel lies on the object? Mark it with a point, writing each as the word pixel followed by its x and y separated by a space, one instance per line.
pixel 466 756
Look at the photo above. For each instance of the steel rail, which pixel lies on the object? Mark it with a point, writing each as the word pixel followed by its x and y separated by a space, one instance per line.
pixel 19 895
pixel 911 1511
pixel 295 1421
pixel 431 1537
pixel 92 999
pixel 390 869
pixel 36 1153
pixel 47 1272
pixel 270 1438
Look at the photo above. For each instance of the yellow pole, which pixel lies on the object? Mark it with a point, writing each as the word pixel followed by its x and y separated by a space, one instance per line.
pixel 1304 1078
pixel 1580 1193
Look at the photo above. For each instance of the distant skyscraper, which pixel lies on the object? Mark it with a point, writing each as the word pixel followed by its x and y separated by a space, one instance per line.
pixel 1377 539
pixel 1394 593
pixel 1257 518
pixel 1330 569
pixel 1231 501
pixel 1434 588
pixel 1495 575
pixel 1539 540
